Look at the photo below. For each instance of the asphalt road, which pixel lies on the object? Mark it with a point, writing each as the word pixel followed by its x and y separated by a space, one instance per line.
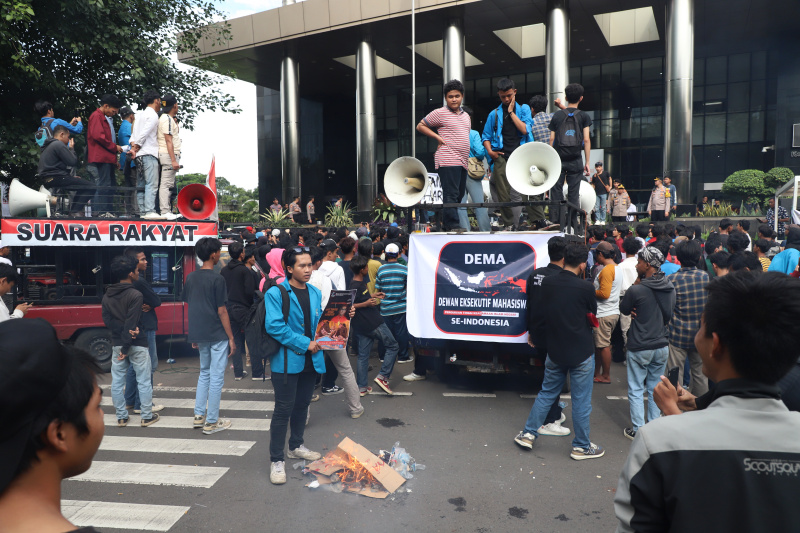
pixel 476 478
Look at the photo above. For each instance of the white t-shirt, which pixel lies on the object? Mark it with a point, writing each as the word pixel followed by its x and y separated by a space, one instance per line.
pixel 145 132
pixel 5 315
pixel 168 126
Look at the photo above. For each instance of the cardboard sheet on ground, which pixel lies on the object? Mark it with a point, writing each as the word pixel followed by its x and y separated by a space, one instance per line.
pixel 335 461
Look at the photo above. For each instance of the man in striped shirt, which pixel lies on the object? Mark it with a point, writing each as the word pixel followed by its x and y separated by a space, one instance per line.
pixel 452 125
pixel 392 280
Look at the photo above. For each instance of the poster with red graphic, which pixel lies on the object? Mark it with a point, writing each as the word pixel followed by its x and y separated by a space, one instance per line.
pixel 333 328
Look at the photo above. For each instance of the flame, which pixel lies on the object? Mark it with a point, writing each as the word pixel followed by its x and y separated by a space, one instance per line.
pixel 351 473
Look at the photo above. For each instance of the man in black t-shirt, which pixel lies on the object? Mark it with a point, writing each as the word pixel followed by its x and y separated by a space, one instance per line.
pixel 368 326
pixel 601 181
pixel 572 169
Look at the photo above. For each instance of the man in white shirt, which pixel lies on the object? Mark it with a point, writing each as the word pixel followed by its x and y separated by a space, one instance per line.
pixel 627 269
pixel 169 153
pixel 144 148
pixel 8 278
pixel 329 265
pixel 5 251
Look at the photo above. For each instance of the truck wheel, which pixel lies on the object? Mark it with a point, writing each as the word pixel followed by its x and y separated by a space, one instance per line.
pixel 444 371
pixel 98 343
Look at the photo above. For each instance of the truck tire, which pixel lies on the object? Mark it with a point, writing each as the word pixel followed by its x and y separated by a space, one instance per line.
pixel 98 343
pixel 444 371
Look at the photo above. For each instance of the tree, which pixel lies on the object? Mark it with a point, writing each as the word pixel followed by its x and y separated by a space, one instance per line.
pixel 745 186
pixel 229 196
pixel 778 176
pixel 70 52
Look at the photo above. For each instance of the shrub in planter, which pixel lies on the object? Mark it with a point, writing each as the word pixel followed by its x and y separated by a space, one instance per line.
pixel 745 186
pixel 777 177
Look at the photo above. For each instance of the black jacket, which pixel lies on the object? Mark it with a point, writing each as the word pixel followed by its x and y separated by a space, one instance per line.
pixel 241 287
pixel 122 310
pixel 149 320
pixel 566 300
pixel 535 318
pixel 56 159
pixel 654 300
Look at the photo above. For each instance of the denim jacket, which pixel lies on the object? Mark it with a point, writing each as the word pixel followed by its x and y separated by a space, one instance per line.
pixel 290 334
pixel 493 131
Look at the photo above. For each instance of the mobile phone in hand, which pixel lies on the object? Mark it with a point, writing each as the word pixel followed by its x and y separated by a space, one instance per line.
pixel 672 376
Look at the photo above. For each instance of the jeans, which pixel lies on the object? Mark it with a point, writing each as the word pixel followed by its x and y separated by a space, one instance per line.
pixel 364 340
pixel 103 176
pixel 167 182
pixel 644 371
pixel 399 329
pixel 572 175
pixel 82 188
pixel 601 207
pixel 475 192
pixel 147 178
pixel 581 376
pixel 679 357
pixel 139 359
pixel 131 391
pixel 343 368
pixel 213 358
pixel 454 184
pixel 291 407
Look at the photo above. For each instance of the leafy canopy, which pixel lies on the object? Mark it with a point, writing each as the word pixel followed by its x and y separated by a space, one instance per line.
pixel 71 52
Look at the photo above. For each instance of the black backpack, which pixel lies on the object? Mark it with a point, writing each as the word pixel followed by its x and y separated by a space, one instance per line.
pixel 260 343
pixel 569 136
pixel 43 133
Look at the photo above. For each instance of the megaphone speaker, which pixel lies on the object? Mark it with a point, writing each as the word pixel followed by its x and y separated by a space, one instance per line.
pixel 196 201
pixel 406 181
pixel 533 168
pixel 587 196
pixel 22 198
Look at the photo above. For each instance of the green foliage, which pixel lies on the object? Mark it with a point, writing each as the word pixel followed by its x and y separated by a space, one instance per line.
pixel 778 177
pixel 725 209
pixel 338 216
pixel 745 185
pixel 71 52
pixel 278 219
pixel 231 217
pixel 384 210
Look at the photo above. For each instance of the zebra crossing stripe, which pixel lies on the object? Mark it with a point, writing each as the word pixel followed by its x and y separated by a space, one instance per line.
pixel 113 515
pixel 531 396
pixel 188 403
pixel 468 395
pixel 152 474
pixel 186 422
pixel 166 445
pixel 159 388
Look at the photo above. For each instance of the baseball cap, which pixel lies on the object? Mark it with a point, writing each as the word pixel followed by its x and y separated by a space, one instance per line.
pixel 392 249
pixel 604 247
pixel 125 112
pixel 32 375
pixel 329 245
pixel 167 101
pixel 276 232
pixel 598 164
pixel 620 186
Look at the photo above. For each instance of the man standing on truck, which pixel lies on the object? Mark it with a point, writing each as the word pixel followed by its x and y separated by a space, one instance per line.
pixel 149 322
pixel 241 287
pixel 210 333
pixel 122 310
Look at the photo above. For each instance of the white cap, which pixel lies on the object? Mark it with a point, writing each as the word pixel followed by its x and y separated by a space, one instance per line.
pixel 276 232
pixel 392 249
pixel 353 236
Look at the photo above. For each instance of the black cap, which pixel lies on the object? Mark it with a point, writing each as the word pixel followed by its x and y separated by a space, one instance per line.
pixel 167 101
pixel 329 245
pixel 34 367
pixel 125 112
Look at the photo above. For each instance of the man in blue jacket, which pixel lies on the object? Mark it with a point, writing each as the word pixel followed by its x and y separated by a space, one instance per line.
pixel 296 364
pixel 507 128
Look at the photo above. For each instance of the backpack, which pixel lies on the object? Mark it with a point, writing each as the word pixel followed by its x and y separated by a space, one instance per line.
pixel 259 342
pixel 569 137
pixel 44 133
pixel 475 168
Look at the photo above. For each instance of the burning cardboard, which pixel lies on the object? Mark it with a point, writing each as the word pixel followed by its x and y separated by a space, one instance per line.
pixel 357 470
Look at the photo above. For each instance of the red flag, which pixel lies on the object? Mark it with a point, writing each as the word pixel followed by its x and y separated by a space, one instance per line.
pixel 211 183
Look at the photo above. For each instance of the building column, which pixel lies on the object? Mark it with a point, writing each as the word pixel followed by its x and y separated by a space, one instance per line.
pixel 366 162
pixel 556 51
pixel 679 88
pixel 290 127
pixel 453 52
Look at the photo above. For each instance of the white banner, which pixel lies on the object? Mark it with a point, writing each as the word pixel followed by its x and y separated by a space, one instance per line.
pixel 433 195
pixel 472 286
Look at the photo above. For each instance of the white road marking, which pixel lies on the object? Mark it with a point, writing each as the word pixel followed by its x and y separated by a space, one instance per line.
pixel 194 389
pixel 623 398
pixel 468 395
pixel 186 422
pixel 529 396
pixel 188 403
pixel 165 445
pixel 381 393
pixel 152 474
pixel 113 515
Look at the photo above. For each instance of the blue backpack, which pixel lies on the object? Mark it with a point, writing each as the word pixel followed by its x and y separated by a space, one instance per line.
pixel 43 133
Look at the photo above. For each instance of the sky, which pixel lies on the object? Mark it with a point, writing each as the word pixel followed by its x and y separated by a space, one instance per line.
pixel 230 138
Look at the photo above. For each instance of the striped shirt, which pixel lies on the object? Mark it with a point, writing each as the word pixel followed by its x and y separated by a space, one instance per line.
pixel 690 301
pixel 454 128
pixel 540 127
pixel 392 280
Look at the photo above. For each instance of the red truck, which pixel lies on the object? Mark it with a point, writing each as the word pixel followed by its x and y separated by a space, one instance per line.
pixel 64 271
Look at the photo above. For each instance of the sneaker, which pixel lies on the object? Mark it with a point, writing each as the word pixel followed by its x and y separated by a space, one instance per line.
pixel 366 390
pixel 156 408
pixel 199 421
pixel 108 215
pixel 383 383
pixel 315 397
pixel 122 422
pixel 525 439
pixel 546 225
pixel 153 216
pixel 330 391
pixel 169 216
pixel 406 360
pixel 592 452
pixel 302 452
pixel 356 414
pixel 150 421
pixel 239 378
pixel 554 429
pixel 629 433
pixel 277 473
pixel 261 378
pixel 413 377
pixel 216 427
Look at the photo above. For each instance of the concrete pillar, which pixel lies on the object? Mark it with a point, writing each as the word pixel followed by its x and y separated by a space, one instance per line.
pixel 366 162
pixel 557 51
pixel 679 87
pixel 290 127
pixel 453 52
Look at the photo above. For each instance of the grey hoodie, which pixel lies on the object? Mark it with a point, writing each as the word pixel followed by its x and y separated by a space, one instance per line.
pixel 56 159
pixel 122 311
pixel 653 299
